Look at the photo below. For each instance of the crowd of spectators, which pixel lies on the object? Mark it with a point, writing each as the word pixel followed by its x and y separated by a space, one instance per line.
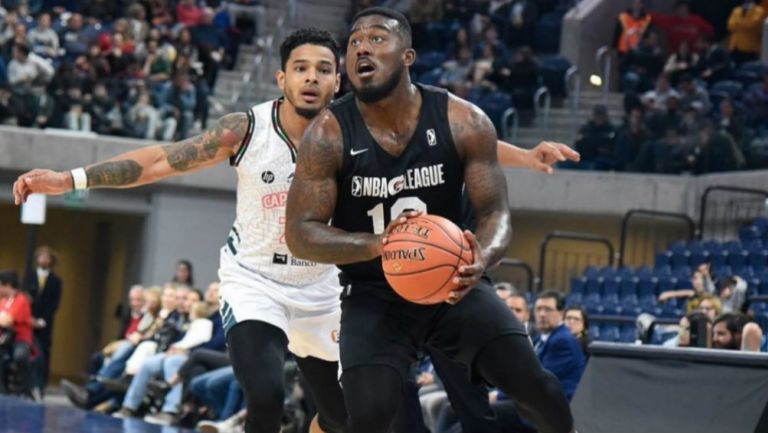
pixel 142 69
pixel 694 102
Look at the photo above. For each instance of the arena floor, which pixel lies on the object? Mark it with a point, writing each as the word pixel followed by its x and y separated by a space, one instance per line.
pixel 21 416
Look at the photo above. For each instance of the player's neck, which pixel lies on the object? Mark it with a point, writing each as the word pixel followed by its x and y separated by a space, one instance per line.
pixel 395 110
pixel 292 123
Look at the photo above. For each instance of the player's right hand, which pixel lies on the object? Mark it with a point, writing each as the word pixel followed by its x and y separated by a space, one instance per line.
pixel 39 181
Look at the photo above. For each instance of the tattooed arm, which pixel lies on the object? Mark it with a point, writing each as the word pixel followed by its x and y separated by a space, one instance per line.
pixel 312 200
pixel 475 139
pixel 146 165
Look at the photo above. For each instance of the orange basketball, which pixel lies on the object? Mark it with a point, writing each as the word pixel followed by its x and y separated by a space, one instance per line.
pixel 422 256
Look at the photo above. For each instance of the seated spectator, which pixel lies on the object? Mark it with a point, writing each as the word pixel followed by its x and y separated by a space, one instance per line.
pixel 73 37
pixel 15 332
pixel 596 141
pixel 188 14
pixel 630 139
pixel 105 113
pixel 746 27
pixel 693 96
pixel 137 25
pixel 483 67
pixel 157 67
pixel 423 13
pixel 144 120
pixel 520 78
pixel 119 55
pixel 459 42
pixel 10 20
pixel 714 62
pixel 558 350
pixel 733 294
pixel 731 121
pixel 682 26
pixel 161 13
pixel 7 106
pixel 219 390
pixel 708 304
pixel 491 39
pixel 756 101
pixel 20 37
pixel 734 331
pixel 517 21
pixel 184 273
pixel 456 73
pixel 656 100
pixel 681 63
pixel 76 117
pixel 43 40
pixel 28 74
pixel 630 28
pixel 701 282
pixel 719 150
pixel 643 64
pixel 577 321
pixel 519 306
pixel 683 337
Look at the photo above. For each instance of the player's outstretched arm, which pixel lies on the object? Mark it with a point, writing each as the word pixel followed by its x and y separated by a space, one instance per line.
pixel 312 200
pixel 475 138
pixel 540 158
pixel 146 165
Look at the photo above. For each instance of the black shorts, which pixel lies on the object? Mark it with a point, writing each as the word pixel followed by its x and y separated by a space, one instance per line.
pixel 380 328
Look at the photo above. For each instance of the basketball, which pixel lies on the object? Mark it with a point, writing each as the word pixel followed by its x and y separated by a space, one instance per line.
pixel 422 256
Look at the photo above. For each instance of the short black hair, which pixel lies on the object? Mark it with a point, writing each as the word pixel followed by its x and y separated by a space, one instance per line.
pixel 734 322
pixel 403 26
pixel 311 36
pixel 9 277
pixel 557 296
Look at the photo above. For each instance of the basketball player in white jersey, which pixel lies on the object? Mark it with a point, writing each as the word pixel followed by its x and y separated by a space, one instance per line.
pixel 272 303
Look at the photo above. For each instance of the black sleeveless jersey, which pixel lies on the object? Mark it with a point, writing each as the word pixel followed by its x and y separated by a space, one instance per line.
pixel 375 186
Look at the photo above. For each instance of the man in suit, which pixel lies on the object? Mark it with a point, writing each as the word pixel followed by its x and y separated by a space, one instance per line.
pixel 558 350
pixel 44 288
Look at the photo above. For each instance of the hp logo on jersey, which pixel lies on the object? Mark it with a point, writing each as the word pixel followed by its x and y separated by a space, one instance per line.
pixel 357 186
pixel 268 176
pixel 431 137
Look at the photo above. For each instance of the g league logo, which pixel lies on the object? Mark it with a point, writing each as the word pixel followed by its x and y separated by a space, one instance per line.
pixel 431 137
pixel 357 186
pixel 268 176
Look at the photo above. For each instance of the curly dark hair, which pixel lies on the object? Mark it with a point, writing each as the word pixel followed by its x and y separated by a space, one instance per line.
pixel 311 36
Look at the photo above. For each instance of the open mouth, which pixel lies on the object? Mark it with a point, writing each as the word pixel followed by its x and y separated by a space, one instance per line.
pixel 310 95
pixel 365 68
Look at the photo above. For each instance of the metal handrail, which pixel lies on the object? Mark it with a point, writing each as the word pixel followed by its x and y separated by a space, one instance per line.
pixel 543 92
pixel 670 215
pixel 573 87
pixel 505 132
pixel 705 196
pixel 585 237
pixel 517 263
pixel 604 64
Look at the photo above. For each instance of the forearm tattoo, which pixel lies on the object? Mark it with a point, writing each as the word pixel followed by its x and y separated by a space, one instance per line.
pixel 114 173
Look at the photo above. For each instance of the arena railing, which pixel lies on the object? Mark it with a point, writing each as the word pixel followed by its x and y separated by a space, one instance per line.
pixel 652 240
pixel 604 64
pixel 542 105
pixel 510 115
pixel 508 271
pixel 721 219
pixel 572 262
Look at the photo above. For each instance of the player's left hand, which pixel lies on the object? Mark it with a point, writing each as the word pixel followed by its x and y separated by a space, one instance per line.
pixel 469 275
pixel 547 153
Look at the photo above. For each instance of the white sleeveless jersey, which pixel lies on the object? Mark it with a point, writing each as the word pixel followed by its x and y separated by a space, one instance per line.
pixel 265 164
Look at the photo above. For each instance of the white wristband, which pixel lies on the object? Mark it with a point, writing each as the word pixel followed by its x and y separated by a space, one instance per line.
pixel 79 178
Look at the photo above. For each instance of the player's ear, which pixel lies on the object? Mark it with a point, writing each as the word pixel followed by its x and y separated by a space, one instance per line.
pixel 409 56
pixel 280 77
pixel 338 83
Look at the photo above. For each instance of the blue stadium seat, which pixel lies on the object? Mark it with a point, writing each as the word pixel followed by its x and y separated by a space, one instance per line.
pixel 661 335
pixel 494 104
pixel 649 304
pixel 762 321
pixel 553 69
pixel 431 78
pixel 610 297
pixel 591 271
pixel 578 284
pixel 728 87
pixel 698 255
pixel 722 272
pixel 672 308
pixel 628 333
pixel 737 254
pixel 718 258
pixel 744 272
pixel 427 61
pixel 628 286
pixel 663 258
pixel 683 273
pixel 574 299
pixel 594 285
pixel 680 258
pixel 547 39
pixel 646 285
pixel 667 283
pixel 593 304
pixel 594 332
pixel 626 272
pixel 761 223
pixel 758 258
pixel 630 305
pixel 749 232
pixel 610 332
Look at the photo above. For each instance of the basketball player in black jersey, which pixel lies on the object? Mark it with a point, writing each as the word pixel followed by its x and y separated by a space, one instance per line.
pixel 358 168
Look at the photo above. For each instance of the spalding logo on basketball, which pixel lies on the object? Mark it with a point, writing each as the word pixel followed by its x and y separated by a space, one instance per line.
pixel 422 256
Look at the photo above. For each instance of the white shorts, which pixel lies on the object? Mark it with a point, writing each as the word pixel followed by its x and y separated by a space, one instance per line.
pixel 309 315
